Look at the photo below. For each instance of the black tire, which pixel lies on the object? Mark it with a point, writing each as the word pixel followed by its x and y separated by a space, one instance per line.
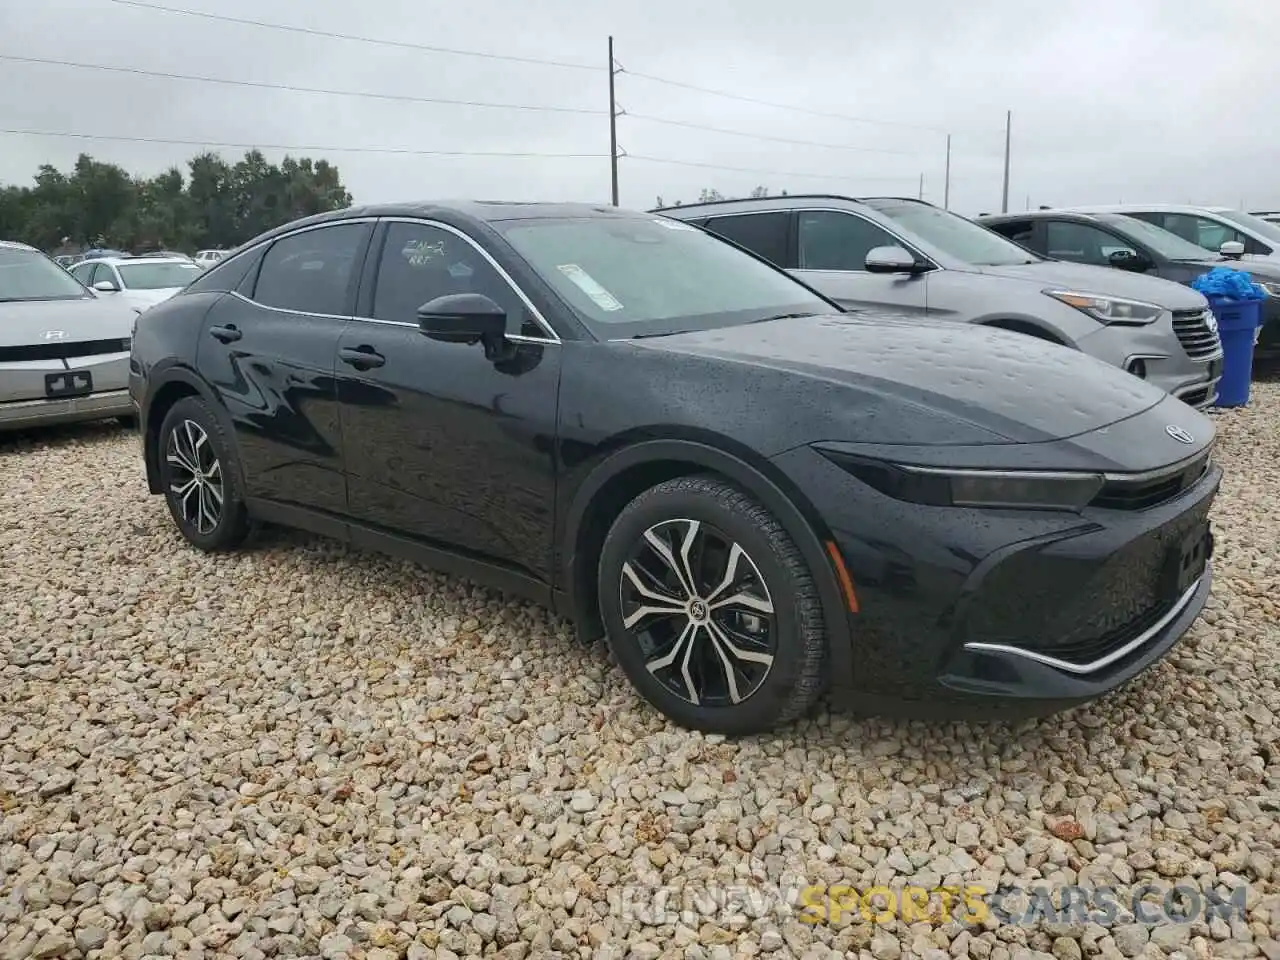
pixel 713 517
pixel 192 513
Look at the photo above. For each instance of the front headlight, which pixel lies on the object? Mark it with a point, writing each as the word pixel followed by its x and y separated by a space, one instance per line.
pixel 1113 310
pixel 1010 489
pixel 1271 286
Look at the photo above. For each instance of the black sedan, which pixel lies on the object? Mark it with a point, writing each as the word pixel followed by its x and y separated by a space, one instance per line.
pixel 1127 243
pixel 752 496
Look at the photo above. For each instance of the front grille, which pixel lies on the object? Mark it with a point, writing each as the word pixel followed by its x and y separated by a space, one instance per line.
pixel 1198 339
pixel 63 350
pixel 1065 601
pixel 1124 493
pixel 1085 650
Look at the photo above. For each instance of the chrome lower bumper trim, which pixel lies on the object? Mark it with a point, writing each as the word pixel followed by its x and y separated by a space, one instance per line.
pixel 1118 654
pixel 106 403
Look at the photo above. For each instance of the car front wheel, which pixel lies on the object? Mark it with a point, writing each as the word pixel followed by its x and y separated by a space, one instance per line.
pixel 197 471
pixel 710 608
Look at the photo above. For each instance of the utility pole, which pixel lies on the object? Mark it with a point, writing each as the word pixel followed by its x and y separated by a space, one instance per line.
pixel 946 185
pixel 1008 137
pixel 613 126
pixel 921 194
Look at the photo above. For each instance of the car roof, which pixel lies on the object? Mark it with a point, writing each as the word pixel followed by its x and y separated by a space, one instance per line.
pixel 783 202
pixel 1154 207
pixel 458 213
pixel 15 245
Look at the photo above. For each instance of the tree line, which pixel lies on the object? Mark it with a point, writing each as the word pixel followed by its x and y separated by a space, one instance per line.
pixel 216 204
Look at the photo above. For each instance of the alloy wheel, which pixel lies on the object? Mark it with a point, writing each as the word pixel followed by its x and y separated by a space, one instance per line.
pixel 700 610
pixel 195 476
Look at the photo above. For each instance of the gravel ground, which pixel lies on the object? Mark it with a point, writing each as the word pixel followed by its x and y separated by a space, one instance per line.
pixel 304 750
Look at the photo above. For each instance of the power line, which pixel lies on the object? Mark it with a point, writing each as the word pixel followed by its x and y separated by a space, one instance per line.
pixel 303 149
pixel 764 103
pixel 399 44
pixel 761 136
pixel 771 173
pixel 263 85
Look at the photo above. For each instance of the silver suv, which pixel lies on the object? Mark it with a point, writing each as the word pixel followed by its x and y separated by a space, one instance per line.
pixel 913 257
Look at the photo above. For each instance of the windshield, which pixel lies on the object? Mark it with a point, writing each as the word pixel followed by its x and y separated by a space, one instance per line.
pixel 1250 222
pixel 648 276
pixel 29 275
pixel 953 235
pixel 157 276
pixel 1166 244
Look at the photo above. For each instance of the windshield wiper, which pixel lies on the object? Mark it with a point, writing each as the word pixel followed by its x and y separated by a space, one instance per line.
pixel 784 316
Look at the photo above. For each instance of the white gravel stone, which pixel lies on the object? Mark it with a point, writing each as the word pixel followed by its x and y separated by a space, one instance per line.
pixel 303 750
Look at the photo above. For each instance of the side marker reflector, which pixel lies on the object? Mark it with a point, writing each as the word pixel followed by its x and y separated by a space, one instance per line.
pixel 842 574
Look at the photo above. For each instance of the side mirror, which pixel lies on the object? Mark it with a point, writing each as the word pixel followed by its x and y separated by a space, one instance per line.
pixel 1232 249
pixel 463 318
pixel 1129 260
pixel 106 286
pixel 892 260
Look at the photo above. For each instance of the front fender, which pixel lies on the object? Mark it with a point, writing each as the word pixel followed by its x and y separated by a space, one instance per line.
pixel 764 482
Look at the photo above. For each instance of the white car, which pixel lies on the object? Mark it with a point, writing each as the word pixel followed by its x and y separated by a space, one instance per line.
pixel 1210 228
pixel 141 281
pixel 207 258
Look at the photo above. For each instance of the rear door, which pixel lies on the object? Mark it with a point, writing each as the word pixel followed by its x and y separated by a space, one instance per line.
pixel 831 255
pixel 269 350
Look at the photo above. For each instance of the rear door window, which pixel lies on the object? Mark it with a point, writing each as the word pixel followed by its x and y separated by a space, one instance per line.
pixel 313 271
pixel 764 234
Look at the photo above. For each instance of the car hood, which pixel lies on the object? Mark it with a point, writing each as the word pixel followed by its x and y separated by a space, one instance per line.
pixel 900 379
pixel 1106 281
pixel 148 298
pixel 27 322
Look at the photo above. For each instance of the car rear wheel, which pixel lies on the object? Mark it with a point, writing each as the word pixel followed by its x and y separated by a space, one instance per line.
pixel 199 477
pixel 710 609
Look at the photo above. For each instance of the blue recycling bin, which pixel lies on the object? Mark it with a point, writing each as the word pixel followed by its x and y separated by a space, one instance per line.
pixel 1237 328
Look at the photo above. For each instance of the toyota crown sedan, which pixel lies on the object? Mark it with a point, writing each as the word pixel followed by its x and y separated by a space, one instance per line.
pixel 751 496
pixel 64 352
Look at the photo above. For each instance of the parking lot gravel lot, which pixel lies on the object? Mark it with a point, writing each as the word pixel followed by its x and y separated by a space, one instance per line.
pixel 306 750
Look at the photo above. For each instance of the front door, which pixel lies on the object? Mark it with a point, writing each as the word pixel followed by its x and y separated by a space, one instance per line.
pixel 269 351
pixel 442 443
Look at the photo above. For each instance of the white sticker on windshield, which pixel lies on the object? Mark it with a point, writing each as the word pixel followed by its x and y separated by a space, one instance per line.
pixel 587 284
pixel 674 225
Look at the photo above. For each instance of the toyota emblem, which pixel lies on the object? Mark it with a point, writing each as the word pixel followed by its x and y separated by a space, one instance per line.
pixel 54 335
pixel 1179 434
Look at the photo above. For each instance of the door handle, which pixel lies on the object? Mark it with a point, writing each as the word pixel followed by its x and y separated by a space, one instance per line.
pixel 362 357
pixel 226 334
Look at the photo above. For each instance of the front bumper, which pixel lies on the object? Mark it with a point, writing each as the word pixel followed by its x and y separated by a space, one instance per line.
pixel 18 414
pixel 1005 613
pixel 1159 355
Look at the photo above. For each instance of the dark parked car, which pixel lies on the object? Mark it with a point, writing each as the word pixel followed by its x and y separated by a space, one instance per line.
pixel 1136 246
pixel 751 495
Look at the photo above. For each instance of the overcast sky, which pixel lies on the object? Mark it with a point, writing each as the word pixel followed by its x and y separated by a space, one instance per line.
pixel 1112 99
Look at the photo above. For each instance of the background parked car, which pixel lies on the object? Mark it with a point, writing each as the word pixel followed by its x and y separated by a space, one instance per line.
pixel 64 352
pixel 919 259
pixel 141 281
pixel 761 493
pixel 1208 227
pixel 1126 243
pixel 207 258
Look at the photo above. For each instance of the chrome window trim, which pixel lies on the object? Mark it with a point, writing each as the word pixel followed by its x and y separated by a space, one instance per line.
pixel 513 337
pixel 296 313
pixel 906 244
pixel 1118 654
pixel 270 240
pixel 552 336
